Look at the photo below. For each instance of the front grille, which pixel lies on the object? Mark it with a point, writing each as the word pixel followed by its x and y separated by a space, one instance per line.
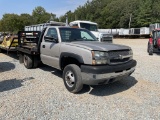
pixel 115 56
pixel 117 53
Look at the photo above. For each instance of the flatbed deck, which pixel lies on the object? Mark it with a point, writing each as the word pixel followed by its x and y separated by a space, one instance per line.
pixel 28 49
pixel 28 42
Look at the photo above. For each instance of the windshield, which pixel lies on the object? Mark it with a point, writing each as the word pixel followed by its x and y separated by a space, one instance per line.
pixel 75 34
pixel 90 27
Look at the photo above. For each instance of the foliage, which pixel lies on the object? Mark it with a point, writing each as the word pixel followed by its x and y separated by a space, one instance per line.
pixel 116 13
pixel 13 22
pixel 107 13
pixel 40 15
pixel 9 22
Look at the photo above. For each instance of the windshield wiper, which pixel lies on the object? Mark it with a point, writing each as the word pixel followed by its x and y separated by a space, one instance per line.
pixel 91 40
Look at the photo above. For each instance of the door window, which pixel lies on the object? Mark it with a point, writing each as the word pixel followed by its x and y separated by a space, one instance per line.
pixel 52 32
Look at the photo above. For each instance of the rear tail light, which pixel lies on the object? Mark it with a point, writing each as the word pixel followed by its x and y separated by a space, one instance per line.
pixel 23 34
pixel 35 33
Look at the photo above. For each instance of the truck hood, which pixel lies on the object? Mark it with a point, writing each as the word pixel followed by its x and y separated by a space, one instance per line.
pixel 99 46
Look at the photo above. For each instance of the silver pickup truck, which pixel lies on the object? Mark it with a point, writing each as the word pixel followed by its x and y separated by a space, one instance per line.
pixel 76 52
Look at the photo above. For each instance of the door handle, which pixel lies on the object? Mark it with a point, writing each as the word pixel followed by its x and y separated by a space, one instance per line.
pixel 43 46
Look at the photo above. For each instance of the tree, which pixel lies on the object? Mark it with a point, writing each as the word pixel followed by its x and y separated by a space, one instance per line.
pixel 10 22
pixel 144 16
pixel 39 15
pixel 1 26
pixel 24 20
pixel 155 11
pixel 116 13
pixel 107 13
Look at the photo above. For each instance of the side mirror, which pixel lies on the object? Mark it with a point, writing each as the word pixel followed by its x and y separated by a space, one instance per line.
pixel 50 39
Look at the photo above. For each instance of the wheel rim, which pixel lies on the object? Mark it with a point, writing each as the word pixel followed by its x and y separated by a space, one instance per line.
pixel 25 60
pixel 70 78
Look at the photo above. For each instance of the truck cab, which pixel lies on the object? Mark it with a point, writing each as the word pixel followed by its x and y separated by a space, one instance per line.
pixel 93 27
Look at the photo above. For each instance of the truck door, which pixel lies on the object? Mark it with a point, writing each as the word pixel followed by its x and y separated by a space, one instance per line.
pixel 50 48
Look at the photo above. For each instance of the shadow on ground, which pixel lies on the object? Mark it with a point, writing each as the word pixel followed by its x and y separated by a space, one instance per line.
pixel 99 90
pixel 110 89
pixel 6 66
pixel 54 71
pixel 7 85
pixel 12 54
pixel 10 84
pixel 157 53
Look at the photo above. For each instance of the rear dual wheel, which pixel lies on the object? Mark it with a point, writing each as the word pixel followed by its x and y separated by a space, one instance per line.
pixel 30 61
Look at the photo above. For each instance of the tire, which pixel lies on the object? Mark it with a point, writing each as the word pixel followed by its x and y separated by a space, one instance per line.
pixel 150 49
pixel 73 72
pixel 28 61
pixel 21 58
pixel 36 62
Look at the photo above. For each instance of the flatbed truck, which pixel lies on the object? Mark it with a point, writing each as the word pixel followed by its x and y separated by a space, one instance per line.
pixel 78 53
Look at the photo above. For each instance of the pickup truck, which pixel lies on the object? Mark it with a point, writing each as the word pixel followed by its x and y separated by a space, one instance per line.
pixel 78 53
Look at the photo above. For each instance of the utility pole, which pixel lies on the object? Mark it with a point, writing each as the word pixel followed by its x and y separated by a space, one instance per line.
pixel 75 17
pixel 51 18
pixel 130 19
pixel 66 19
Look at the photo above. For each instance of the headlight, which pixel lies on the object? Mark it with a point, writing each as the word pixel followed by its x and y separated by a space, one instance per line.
pixel 131 52
pixel 99 57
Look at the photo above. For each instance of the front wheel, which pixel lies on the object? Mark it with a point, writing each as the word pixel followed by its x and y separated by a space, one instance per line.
pixel 72 78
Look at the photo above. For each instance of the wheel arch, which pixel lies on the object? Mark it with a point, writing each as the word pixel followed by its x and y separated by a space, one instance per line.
pixel 70 58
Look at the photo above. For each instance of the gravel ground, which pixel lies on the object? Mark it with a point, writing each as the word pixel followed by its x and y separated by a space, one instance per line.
pixel 39 94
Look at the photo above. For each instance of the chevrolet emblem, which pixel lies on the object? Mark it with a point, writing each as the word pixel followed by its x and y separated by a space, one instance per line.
pixel 120 57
